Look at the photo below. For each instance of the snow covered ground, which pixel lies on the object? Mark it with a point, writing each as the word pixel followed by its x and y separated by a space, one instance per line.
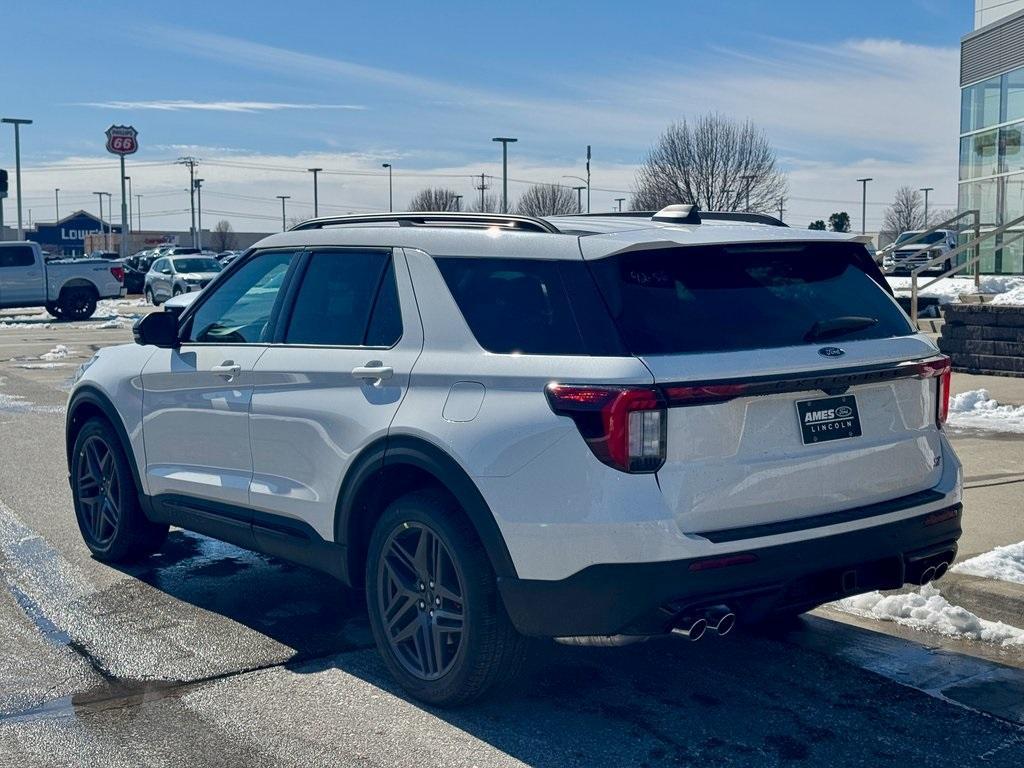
pixel 926 609
pixel 1002 564
pixel 1010 288
pixel 977 410
pixel 114 313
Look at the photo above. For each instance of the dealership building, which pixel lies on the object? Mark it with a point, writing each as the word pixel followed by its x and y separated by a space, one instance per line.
pixel 991 127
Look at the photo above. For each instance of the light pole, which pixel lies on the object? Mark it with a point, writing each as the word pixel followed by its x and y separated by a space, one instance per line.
pixel 588 178
pixel 138 209
pixel 458 202
pixel 131 221
pixel 102 231
pixel 282 198
pixel 191 162
pixel 56 204
pixel 505 141
pixel 316 199
pixel 864 204
pixel 199 207
pixel 926 190
pixel 17 123
pixel 391 198
pixel 579 203
pixel 748 178
pixel 110 224
pixel 620 201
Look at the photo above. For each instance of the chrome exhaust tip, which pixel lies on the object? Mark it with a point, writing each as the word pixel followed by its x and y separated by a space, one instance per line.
pixel 691 629
pixel 720 619
pixel 940 571
pixel 726 624
pixel 926 575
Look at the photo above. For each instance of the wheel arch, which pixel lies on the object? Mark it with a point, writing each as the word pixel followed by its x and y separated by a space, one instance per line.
pixel 89 401
pixel 388 469
pixel 76 283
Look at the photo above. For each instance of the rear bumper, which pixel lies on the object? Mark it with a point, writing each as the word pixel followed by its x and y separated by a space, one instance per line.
pixel 646 598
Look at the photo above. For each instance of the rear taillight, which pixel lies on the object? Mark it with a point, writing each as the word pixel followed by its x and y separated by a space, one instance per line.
pixel 940 368
pixel 118 273
pixel 625 427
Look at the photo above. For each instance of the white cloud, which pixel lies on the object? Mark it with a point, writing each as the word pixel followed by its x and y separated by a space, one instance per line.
pixel 177 105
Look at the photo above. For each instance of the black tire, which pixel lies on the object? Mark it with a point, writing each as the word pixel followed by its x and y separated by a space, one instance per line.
pixel 177 291
pixel 54 309
pixel 486 652
pixel 107 508
pixel 77 304
pixel 151 298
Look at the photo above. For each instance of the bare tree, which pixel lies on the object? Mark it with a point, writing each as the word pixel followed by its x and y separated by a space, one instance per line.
pixel 490 204
pixel 223 236
pixel 941 215
pixel 715 163
pixel 906 212
pixel 547 200
pixel 434 199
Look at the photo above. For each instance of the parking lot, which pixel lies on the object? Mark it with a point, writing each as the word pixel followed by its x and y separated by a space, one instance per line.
pixel 210 655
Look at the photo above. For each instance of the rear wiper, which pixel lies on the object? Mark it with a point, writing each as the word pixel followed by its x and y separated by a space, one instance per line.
pixel 838 326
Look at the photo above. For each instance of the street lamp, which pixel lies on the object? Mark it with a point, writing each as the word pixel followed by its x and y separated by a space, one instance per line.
pixel 103 230
pixel 131 224
pixel 391 198
pixel 505 141
pixel 316 198
pixel 926 190
pixel 579 203
pixel 864 204
pixel 620 201
pixel 17 123
pixel 282 198
pixel 199 208
pixel 458 202
pixel 56 204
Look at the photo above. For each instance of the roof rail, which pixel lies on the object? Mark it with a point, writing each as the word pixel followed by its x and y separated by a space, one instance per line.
pixel 752 218
pixel 438 219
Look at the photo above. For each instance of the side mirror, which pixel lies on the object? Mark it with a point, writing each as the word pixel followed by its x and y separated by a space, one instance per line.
pixel 159 329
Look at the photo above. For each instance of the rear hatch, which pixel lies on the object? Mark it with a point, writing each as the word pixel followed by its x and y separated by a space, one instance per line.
pixel 794 382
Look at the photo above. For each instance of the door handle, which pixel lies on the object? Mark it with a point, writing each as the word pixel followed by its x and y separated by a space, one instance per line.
pixel 375 370
pixel 227 369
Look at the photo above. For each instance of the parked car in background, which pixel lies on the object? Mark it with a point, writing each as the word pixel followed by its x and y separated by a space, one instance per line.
pixel 135 269
pixel 226 257
pixel 899 259
pixel 105 255
pixel 173 275
pixel 68 288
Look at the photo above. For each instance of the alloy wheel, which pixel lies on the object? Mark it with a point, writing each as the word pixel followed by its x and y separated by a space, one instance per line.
pixel 420 595
pixel 99 490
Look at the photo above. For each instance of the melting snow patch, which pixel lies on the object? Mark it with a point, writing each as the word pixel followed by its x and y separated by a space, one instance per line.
pixel 116 322
pixel 927 609
pixel 1013 297
pixel 948 289
pixel 1002 564
pixel 57 353
pixel 975 409
pixel 39 366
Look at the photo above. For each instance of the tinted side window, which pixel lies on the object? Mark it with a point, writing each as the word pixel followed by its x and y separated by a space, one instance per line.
pixel 523 306
pixel 239 310
pixel 347 298
pixel 17 256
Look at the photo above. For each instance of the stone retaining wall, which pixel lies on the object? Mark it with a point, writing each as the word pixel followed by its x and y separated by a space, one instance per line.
pixel 981 338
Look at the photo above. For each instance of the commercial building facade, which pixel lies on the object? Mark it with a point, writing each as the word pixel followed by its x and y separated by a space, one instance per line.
pixel 991 128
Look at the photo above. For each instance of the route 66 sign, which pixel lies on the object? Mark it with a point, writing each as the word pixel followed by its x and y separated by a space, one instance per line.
pixel 122 140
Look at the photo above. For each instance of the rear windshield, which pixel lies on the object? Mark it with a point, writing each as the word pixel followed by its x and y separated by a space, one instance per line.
pixel 930 239
pixel 723 298
pixel 197 265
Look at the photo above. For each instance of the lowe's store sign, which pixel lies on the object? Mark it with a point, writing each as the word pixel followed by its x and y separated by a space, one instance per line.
pixel 68 235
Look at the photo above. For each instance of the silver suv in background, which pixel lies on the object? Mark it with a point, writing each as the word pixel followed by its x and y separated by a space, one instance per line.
pixel 174 275
pixel 901 259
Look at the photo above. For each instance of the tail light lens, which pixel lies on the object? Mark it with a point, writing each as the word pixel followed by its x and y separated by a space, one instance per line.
pixel 625 427
pixel 940 368
pixel 118 273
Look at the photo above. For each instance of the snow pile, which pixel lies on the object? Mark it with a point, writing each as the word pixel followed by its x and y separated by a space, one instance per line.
pixel 116 322
pixel 57 353
pixel 948 289
pixel 39 366
pixel 40 319
pixel 1002 564
pixel 975 409
pixel 1013 297
pixel 926 609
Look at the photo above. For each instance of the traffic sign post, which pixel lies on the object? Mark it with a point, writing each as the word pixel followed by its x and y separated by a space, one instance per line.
pixel 123 140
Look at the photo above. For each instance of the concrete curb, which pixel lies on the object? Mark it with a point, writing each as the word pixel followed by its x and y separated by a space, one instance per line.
pixel 987 598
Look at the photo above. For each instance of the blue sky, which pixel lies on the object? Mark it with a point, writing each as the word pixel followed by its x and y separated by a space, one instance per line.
pixel 260 91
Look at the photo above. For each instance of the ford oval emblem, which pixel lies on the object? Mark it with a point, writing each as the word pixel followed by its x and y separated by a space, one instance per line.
pixel 844 412
pixel 831 352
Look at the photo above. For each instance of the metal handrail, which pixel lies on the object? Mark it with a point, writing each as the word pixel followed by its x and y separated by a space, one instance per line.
pixel 507 220
pixel 974 260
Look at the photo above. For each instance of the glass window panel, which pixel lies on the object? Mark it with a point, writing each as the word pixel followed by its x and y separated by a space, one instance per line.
pixel 1015 95
pixel 979 105
pixel 979 155
pixel 1011 157
pixel 1014 198
pixel 980 195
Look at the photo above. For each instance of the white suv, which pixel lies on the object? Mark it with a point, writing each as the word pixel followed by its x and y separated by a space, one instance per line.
pixel 594 428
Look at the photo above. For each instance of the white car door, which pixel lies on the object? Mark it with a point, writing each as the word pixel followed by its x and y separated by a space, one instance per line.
pixel 21 277
pixel 196 398
pixel 331 385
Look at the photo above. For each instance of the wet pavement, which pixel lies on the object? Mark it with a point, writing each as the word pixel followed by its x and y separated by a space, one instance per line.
pixel 208 655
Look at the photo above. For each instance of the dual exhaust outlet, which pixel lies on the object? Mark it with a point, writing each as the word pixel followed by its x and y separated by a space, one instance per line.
pixel 717 618
pixel 933 573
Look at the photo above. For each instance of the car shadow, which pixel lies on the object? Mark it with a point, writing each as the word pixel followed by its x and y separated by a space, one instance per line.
pixel 751 699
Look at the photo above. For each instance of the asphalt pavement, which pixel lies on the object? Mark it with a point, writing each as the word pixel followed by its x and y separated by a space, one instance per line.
pixel 208 655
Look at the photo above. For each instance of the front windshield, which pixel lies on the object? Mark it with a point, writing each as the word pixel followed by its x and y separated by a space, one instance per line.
pixel 929 239
pixel 197 265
